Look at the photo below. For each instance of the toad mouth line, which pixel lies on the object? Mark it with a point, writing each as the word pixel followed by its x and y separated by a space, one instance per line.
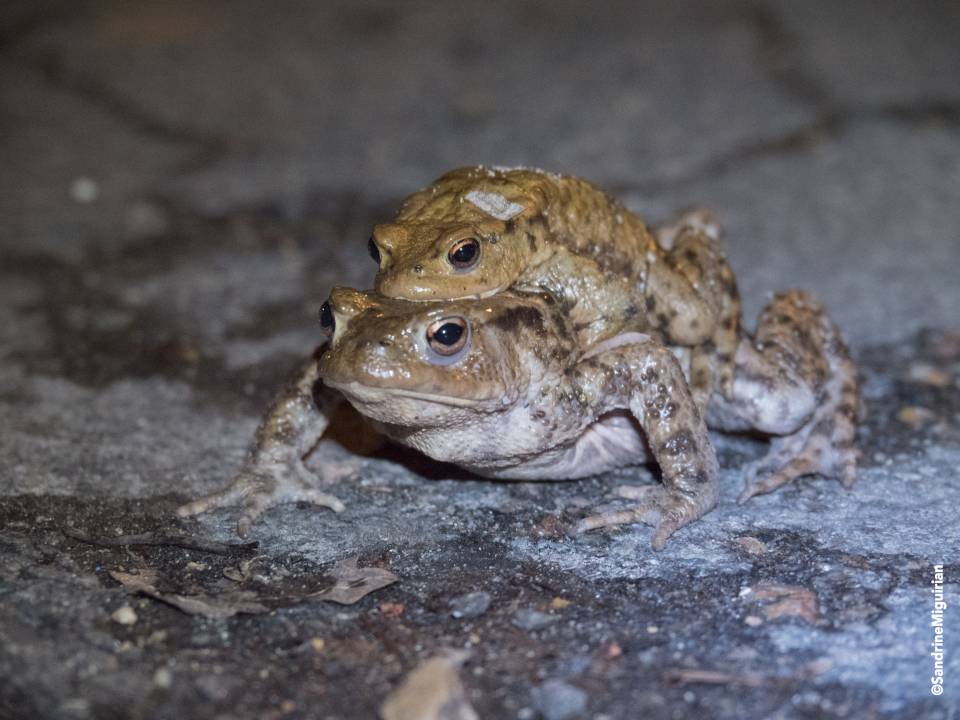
pixel 364 392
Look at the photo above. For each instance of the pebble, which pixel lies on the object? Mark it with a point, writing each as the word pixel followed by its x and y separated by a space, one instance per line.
pixel 558 700
pixel 470 605
pixel 527 619
pixel 124 615
pixel 914 415
pixel 84 190
pixel 163 678
pixel 929 375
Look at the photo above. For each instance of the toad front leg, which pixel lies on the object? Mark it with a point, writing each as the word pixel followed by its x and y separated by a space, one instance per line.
pixel 274 473
pixel 630 371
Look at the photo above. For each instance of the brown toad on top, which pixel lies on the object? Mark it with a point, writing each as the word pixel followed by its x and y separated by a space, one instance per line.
pixel 477 231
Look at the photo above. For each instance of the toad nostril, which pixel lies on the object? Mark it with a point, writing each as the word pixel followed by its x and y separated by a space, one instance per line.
pixel 327 321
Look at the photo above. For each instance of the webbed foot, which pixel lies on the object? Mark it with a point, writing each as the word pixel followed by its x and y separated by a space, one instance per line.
pixel 821 448
pixel 666 510
pixel 261 484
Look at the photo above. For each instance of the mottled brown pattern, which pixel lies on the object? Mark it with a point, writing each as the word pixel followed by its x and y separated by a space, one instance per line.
pixel 523 392
pixel 567 236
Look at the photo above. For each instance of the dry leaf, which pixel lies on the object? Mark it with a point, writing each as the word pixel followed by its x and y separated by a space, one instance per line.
pixel 232 573
pixel 684 676
pixel 751 545
pixel 261 593
pixel 551 527
pixel 354 583
pixel 913 415
pixel 391 609
pixel 612 650
pixel 928 374
pixel 433 691
pixel 790 600
pixel 213 606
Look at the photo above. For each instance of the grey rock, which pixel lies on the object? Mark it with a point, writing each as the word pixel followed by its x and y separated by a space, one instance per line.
pixel 559 700
pixel 470 605
pixel 528 619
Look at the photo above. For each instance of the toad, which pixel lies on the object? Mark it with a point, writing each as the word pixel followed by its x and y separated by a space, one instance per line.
pixel 477 231
pixel 503 387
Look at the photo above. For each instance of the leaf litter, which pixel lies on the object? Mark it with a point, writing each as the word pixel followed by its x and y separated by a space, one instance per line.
pixel 256 587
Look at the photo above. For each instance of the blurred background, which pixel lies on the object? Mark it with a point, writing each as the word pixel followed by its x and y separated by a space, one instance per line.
pixel 181 184
pixel 824 134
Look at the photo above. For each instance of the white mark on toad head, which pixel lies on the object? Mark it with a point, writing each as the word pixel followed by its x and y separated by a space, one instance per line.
pixel 494 204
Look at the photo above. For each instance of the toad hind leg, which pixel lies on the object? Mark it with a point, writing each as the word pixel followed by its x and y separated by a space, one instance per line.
pixel 275 472
pixel 696 262
pixel 631 371
pixel 798 383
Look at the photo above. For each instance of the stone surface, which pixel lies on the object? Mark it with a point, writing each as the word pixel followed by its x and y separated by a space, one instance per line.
pixel 183 183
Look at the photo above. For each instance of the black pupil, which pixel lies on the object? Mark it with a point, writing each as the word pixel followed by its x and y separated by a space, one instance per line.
pixel 373 250
pixel 465 253
pixel 448 334
pixel 326 316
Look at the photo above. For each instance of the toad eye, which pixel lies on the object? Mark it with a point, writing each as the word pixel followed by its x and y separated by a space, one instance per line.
pixel 448 336
pixel 373 250
pixel 327 321
pixel 464 253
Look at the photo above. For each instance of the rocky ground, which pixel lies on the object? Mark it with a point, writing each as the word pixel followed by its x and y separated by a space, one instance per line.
pixel 181 185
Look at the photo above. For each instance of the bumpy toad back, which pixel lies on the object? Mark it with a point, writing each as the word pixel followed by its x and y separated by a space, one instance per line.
pixel 478 231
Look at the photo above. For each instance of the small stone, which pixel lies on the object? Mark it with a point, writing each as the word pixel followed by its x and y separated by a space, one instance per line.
pixel 163 678
pixel 84 190
pixel 929 375
pixel 146 219
pixel 751 545
pixel 470 605
pixel 914 415
pixel 559 603
pixel 558 700
pixel 527 619
pixel 753 620
pixel 612 650
pixel 124 615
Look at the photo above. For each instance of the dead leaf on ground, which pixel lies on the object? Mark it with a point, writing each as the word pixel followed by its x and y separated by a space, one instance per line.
pixel 260 588
pixel 188 542
pixel 354 583
pixel 788 601
pixel 212 606
pixel 751 545
pixel 550 527
pixel 689 676
pixel 914 415
pixel 391 609
pixel 433 691
pixel 929 375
